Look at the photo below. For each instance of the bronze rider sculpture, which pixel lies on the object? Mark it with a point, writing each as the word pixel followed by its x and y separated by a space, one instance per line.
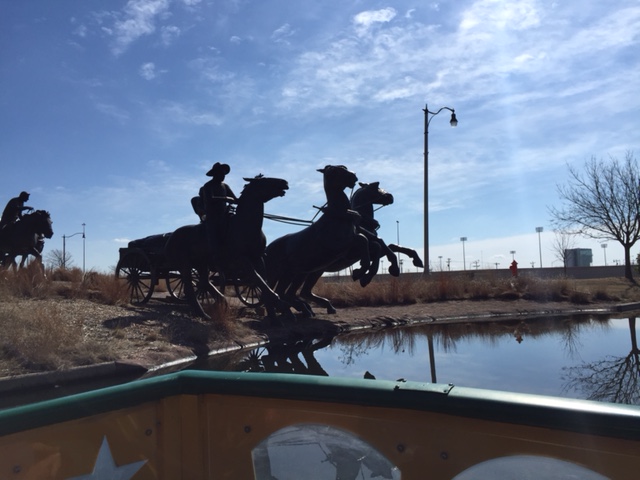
pixel 13 211
pixel 215 197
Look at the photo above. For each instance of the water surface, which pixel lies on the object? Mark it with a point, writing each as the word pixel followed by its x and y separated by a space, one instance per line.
pixel 579 357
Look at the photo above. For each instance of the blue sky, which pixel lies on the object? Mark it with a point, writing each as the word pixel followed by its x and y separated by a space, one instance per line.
pixel 112 112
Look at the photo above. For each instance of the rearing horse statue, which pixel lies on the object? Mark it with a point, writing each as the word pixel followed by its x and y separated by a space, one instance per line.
pixel 243 246
pixel 362 201
pixel 293 257
pixel 24 237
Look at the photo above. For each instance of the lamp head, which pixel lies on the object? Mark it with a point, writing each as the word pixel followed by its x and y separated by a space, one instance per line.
pixel 454 121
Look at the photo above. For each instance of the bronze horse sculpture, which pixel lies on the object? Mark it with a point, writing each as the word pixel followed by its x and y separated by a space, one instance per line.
pixel 362 201
pixel 292 258
pixel 242 251
pixel 25 237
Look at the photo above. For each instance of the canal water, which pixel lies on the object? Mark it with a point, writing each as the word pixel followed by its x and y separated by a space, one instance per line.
pixel 593 358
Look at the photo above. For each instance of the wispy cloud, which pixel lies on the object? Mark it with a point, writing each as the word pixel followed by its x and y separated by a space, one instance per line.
pixel 138 19
pixel 113 111
pixel 282 34
pixel 363 21
pixel 169 33
pixel 148 71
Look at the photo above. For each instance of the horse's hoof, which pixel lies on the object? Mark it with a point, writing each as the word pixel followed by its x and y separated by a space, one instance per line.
pixel 418 263
pixel 394 270
pixel 331 310
pixel 357 273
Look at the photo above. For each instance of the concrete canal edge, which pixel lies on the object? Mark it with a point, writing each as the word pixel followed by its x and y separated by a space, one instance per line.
pixel 120 371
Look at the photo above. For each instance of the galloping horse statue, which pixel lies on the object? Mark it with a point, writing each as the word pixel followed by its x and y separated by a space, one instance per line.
pixel 292 258
pixel 25 237
pixel 362 201
pixel 243 248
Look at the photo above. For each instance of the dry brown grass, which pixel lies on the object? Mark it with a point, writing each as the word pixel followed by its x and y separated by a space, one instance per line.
pixel 36 338
pixel 43 339
pixel 443 287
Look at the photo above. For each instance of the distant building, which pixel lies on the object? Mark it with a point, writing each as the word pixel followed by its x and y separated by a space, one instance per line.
pixel 578 257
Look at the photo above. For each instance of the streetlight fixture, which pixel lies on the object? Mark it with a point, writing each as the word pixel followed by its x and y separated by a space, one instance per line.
pixel 513 254
pixel 539 230
pixel 428 115
pixel 464 262
pixel 64 248
pixel 604 249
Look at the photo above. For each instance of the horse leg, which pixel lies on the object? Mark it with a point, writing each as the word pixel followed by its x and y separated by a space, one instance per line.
pixel 291 295
pixel 394 269
pixel 190 293
pixel 409 253
pixel 362 246
pixel 256 272
pixel 307 294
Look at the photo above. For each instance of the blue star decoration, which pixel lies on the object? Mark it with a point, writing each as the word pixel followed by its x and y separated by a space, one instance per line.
pixel 106 469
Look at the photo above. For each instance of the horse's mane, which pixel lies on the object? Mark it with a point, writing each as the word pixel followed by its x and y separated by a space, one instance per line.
pixel 38 212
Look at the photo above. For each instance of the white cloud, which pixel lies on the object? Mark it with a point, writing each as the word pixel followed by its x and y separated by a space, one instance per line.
pixel 491 15
pixel 169 34
pixel 139 19
pixel 282 34
pixel 148 71
pixel 188 115
pixel 364 20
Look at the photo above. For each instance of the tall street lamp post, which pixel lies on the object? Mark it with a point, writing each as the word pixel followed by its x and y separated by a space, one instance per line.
pixel 539 230
pixel 604 250
pixel 64 248
pixel 464 261
pixel 84 240
pixel 428 115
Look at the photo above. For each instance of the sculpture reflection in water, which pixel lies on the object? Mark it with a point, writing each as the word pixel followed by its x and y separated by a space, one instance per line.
pixel 481 355
pixel 285 358
pixel 610 379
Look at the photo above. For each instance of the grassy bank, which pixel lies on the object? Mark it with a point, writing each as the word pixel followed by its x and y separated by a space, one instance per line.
pixel 41 335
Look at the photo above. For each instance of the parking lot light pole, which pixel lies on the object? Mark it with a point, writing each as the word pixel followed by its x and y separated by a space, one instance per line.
pixel 539 230
pixel 464 261
pixel 428 115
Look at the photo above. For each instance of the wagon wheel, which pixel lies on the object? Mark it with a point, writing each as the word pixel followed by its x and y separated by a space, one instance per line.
pixel 248 294
pixel 136 269
pixel 175 287
pixel 208 297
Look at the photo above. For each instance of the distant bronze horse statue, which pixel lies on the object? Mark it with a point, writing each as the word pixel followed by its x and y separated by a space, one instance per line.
pixel 243 247
pixel 25 237
pixel 362 201
pixel 292 258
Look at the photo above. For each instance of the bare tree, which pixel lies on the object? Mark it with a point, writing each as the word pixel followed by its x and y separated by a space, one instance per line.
pixel 562 243
pixel 55 259
pixel 603 203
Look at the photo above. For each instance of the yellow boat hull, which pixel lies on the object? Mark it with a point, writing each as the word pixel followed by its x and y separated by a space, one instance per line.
pixel 213 425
